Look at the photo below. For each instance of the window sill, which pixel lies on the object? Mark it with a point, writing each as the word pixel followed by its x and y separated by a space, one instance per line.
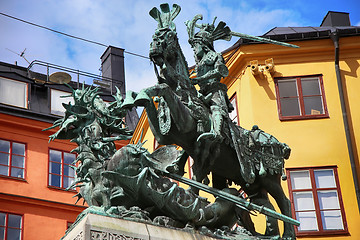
pixel 62 189
pixel 290 118
pixel 324 233
pixel 13 178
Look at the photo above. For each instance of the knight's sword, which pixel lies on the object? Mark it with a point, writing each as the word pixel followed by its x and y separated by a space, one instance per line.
pixel 240 202
pixel 260 39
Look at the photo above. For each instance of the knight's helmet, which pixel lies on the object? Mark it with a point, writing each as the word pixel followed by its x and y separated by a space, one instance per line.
pixel 208 33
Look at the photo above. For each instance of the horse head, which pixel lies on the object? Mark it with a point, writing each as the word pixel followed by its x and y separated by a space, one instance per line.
pixel 165 51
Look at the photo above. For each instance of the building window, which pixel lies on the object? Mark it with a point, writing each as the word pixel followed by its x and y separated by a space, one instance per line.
pixel 61 172
pixel 317 201
pixel 301 97
pixel 13 93
pixel 10 226
pixel 12 159
pixel 234 114
pixel 56 101
pixel 190 165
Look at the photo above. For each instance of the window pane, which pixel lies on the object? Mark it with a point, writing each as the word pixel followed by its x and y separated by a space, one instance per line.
pixel 55 168
pixel 18 148
pixel 68 182
pixel 17 161
pixel 303 201
pixel 307 221
pixel 56 102
pixel 4 158
pixel 4 170
pixel 13 92
pixel 14 221
pixel 289 107
pixel 69 158
pixel 310 86
pixel 332 220
pixel 69 171
pixel 17 172
pixel 55 156
pixel 13 234
pixel 54 180
pixel 324 178
pixel 4 146
pixel 287 88
pixel 2 219
pixel 328 200
pixel 2 233
pixel 300 180
pixel 233 114
pixel 313 105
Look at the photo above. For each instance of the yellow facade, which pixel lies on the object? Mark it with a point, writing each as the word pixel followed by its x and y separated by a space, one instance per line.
pixel 314 142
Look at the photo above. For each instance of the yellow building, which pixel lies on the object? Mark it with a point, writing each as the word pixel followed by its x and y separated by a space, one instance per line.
pixel 306 97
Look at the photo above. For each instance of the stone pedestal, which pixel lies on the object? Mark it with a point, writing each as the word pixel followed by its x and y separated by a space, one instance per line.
pixel 98 227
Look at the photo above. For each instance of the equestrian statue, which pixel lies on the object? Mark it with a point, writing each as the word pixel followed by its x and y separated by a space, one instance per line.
pixel 135 184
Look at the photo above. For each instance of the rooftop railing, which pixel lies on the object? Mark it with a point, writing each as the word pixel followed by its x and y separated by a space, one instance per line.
pixel 41 71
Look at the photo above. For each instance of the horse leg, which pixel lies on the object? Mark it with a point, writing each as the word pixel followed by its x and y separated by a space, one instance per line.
pixel 272 227
pixel 184 120
pixel 145 100
pixel 200 173
pixel 274 188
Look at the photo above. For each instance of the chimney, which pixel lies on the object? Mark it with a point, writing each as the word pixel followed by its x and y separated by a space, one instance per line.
pixel 336 19
pixel 112 65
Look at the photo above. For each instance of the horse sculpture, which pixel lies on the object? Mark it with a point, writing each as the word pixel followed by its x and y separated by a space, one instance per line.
pixel 130 182
pixel 252 159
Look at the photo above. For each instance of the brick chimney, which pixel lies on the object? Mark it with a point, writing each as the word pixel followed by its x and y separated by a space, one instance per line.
pixel 112 65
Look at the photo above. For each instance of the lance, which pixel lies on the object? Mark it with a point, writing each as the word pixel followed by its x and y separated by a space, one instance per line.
pixel 240 202
pixel 260 39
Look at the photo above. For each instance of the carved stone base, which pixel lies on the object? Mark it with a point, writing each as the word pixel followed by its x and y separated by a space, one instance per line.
pixel 97 227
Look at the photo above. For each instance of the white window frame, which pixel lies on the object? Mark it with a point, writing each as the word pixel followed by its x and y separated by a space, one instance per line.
pixel 55 100
pixel 10 91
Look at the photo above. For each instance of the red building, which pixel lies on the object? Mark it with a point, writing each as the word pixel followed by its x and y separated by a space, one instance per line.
pixel 33 172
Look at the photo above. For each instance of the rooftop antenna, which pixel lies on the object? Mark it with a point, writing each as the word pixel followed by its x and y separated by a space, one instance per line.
pixel 22 54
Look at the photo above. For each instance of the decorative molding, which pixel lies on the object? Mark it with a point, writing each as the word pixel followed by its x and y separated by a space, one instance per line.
pixel 100 235
pixel 80 236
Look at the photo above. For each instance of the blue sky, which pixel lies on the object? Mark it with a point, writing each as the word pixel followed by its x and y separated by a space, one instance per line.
pixel 126 24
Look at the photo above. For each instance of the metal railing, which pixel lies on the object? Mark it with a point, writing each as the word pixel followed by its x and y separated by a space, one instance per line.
pixel 50 68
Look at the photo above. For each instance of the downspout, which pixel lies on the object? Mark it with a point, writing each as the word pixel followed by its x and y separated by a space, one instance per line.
pixel 335 37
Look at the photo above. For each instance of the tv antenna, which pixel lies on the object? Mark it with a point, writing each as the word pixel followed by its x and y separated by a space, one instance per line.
pixel 22 54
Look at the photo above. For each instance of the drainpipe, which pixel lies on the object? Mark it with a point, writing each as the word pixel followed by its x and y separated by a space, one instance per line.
pixel 335 37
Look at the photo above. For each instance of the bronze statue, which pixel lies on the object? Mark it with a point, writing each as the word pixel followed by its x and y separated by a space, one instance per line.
pixel 210 68
pixel 131 182
pixel 252 159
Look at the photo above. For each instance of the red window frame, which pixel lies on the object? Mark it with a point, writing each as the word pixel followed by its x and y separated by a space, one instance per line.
pixel 61 175
pixel 156 144
pixel 190 164
pixel 233 97
pixel 314 189
pixel 300 97
pixel 11 154
pixel 6 226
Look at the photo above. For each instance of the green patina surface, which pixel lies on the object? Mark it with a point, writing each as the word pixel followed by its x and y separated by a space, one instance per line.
pixel 131 183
